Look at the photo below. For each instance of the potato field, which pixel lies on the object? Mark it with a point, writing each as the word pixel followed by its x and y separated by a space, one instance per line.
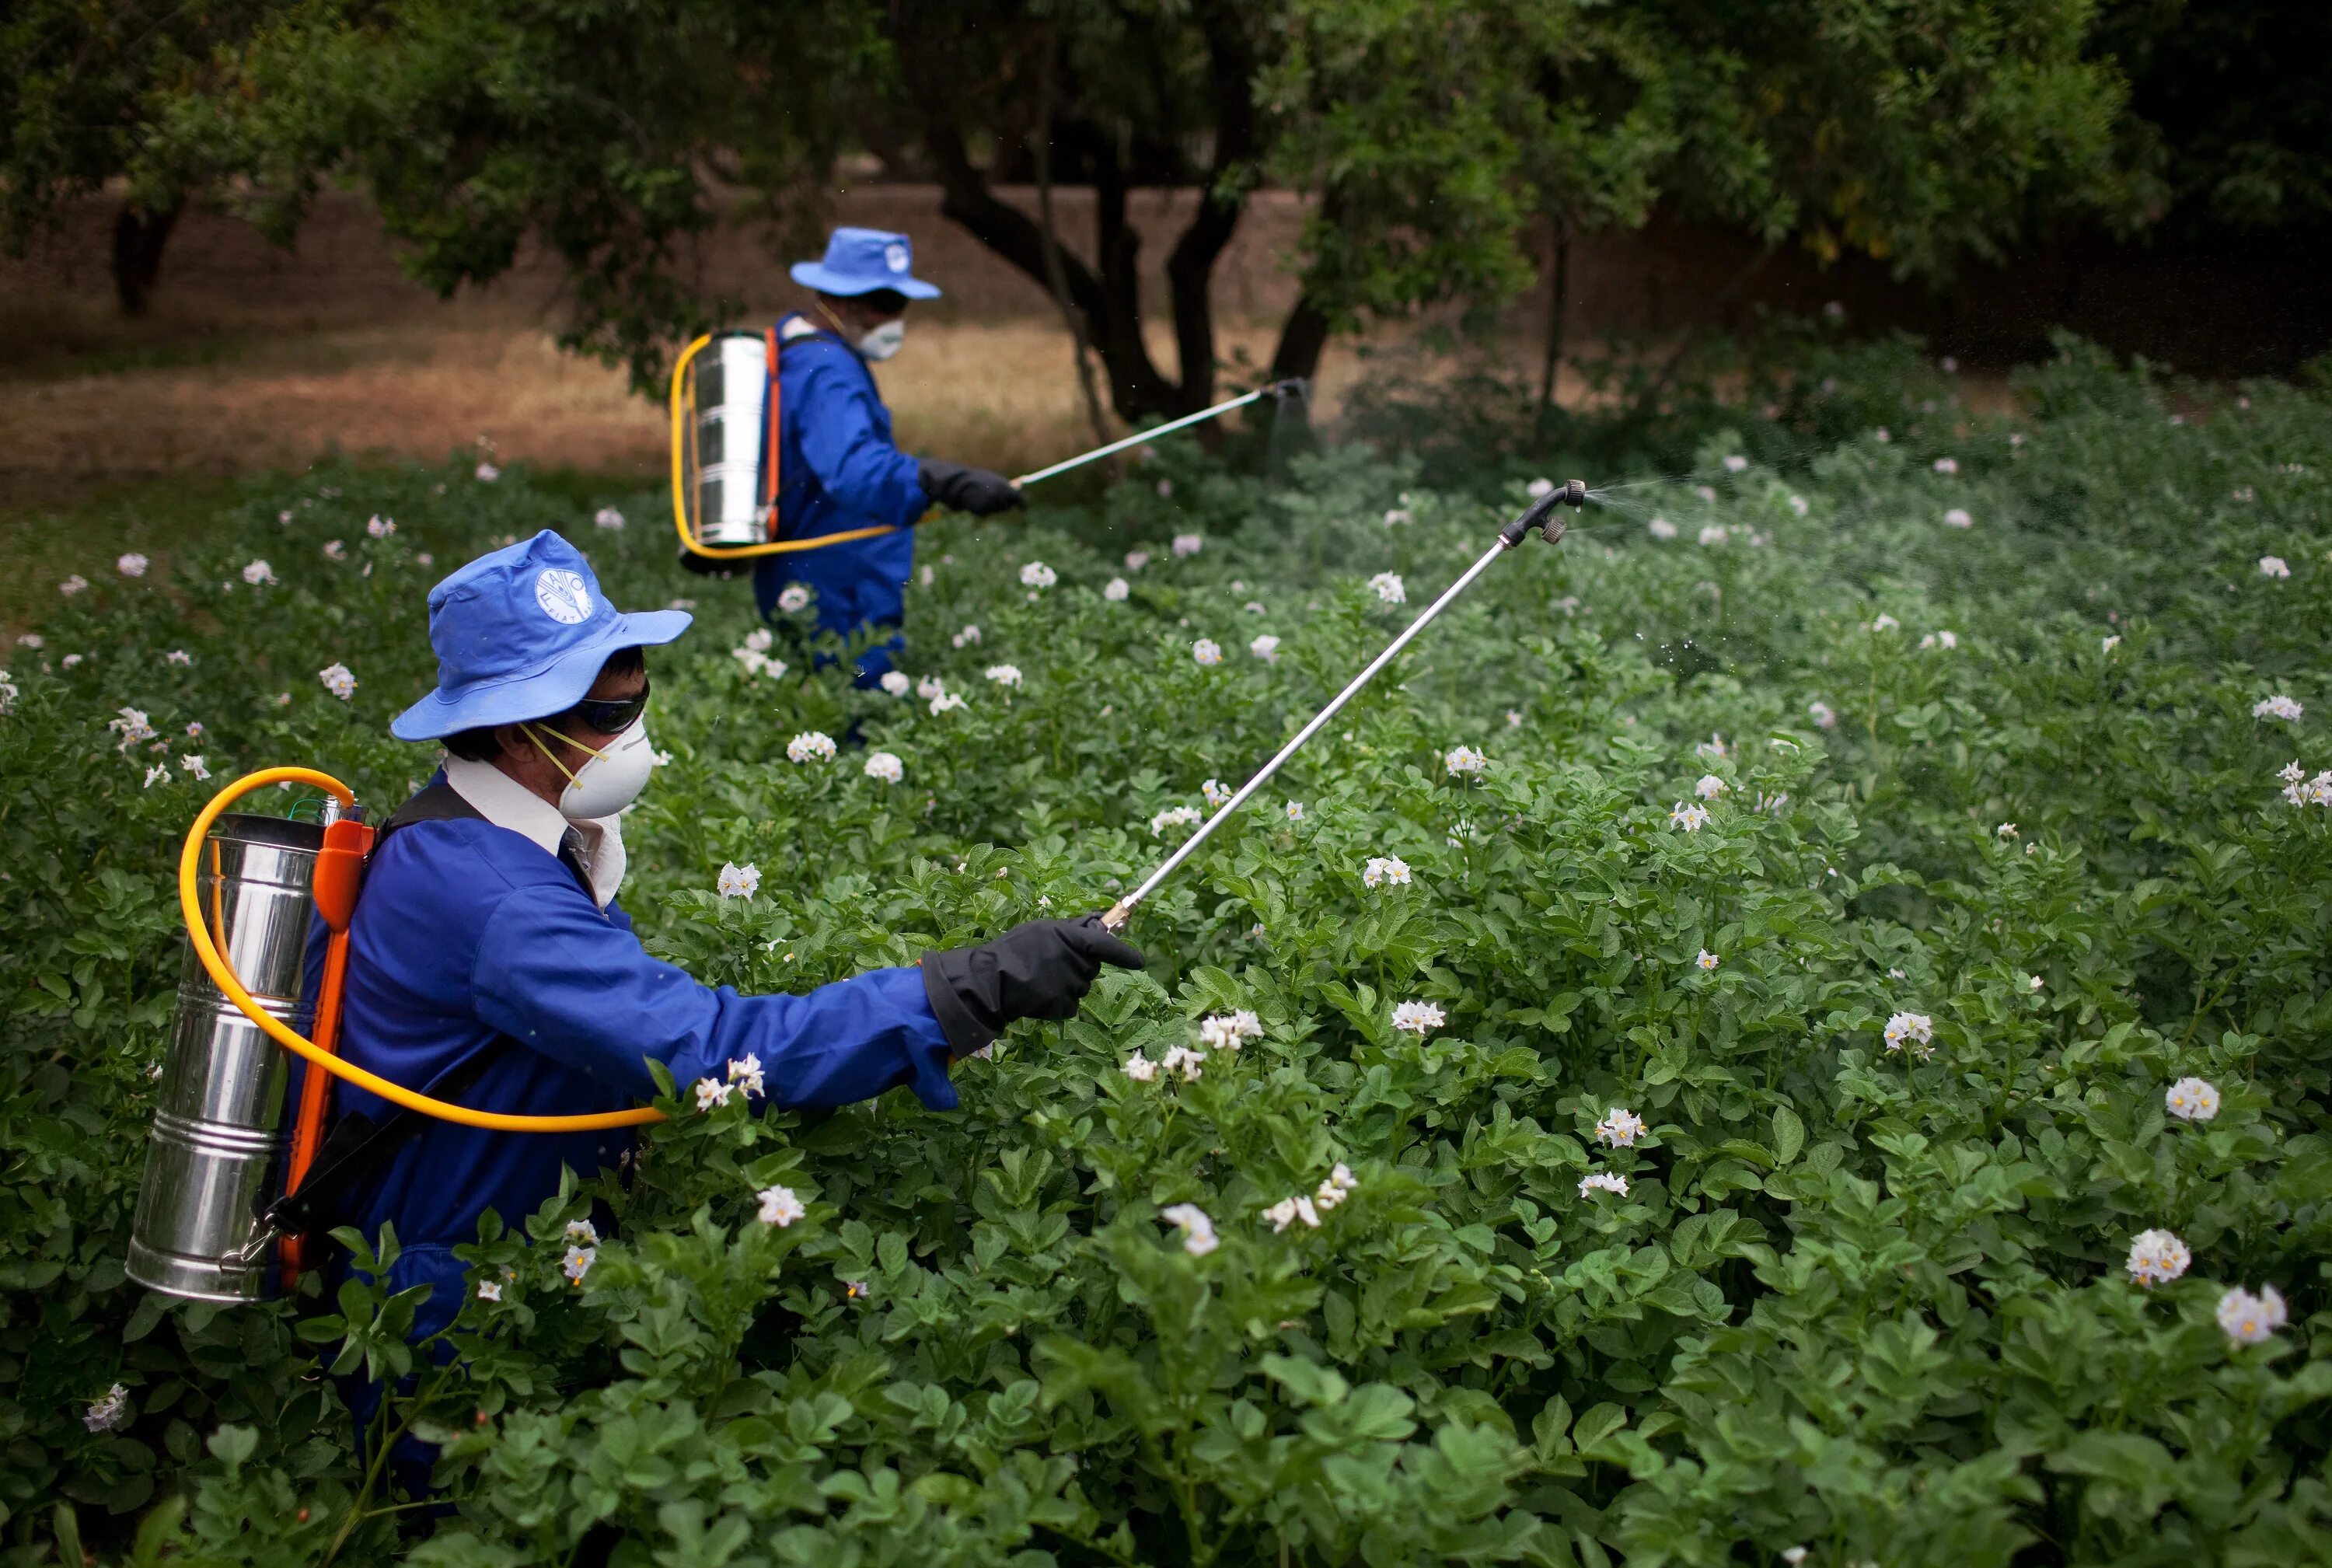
pixel 1792 1028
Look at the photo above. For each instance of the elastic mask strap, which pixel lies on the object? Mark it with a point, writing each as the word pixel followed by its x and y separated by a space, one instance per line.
pixel 529 731
pixel 841 331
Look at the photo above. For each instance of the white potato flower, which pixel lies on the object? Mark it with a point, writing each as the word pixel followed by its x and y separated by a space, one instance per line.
pixel 1716 533
pixel 896 682
pixel 1798 504
pixel 258 573
pixel 1691 818
pixel 581 1233
pixel 1385 871
pixel 2278 707
pixel 1295 811
pixel 1736 463
pixel 132 565
pixel 609 518
pixel 745 1071
pixel 338 681
pixel 1603 1181
pixel 1217 792
pixel 738 881
pixel 1824 716
pixel 108 1411
pixel 711 1094
pixel 1708 959
pixel 1206 651
pixel 1340 1184
pixel 1004 674
pixel 1947 465
pixel 380 527
pixel 1916 1030
pixel 488 473
pixel 577 1263
pixel 1139 1067
pixel 1388 587
pixel 490 1290
pixel 1264 647
pixel 780 1206
pixel 1394 517
pixel 1185 544
pixel 2157 1258
pixel 335 550
pixel 1660 528
pixel 1463 759
pixel 1227 1031
pixel 1620 1129
pixel 1182 1059
pixel 158 774
pixel 1117 590
pixel 968 637
pixel 1135 559
pixel 73 584
pixel 132 725
pixel 2109 644
pixel 1957 517
pixel 1710 787
pixel 1199 1236
pixel 194 767
pixel 2192 1100
pixel 1173 816
pixel 810 745
pixel 1419 1019
pixel 2251 1319
pixel 947 702
pixel 1289 1210
pixel 1037 575
pixel 884 766
pixel 2273 566
pixel 1539 489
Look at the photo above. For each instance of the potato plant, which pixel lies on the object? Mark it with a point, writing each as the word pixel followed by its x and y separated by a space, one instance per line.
pixel 1693 1070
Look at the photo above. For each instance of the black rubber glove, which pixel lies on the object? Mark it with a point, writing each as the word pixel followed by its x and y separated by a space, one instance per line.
pixel 961 488
pixel 1038 971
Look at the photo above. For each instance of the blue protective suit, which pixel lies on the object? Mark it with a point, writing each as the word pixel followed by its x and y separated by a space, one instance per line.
pixel 471 937
pixel 838 468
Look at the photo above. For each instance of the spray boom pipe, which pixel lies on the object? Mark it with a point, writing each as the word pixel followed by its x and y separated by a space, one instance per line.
pixel 1540 512
pixel 1277 389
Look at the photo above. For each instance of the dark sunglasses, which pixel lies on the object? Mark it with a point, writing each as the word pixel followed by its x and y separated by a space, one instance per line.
pixel 612 718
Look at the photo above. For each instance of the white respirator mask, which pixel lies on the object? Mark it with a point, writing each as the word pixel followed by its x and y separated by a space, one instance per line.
pixel 609 779
pixel 881 342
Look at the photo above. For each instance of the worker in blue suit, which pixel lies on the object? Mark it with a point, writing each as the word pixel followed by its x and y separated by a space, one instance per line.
pixel 838 467
pixel 490 964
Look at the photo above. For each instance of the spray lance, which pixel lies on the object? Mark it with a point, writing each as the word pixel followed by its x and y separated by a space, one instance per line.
pixel 1541 515
pixel 725 431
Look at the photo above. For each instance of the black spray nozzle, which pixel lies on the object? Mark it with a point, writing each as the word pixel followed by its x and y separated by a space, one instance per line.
pixel 1296 387
pixel 1570 492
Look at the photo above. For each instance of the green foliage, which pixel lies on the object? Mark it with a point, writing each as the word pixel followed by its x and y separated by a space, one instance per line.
pixel 1865 1300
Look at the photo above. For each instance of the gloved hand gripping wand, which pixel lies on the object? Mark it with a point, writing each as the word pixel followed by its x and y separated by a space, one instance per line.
pixel 1541 515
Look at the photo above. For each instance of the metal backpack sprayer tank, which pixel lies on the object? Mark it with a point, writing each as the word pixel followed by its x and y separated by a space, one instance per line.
pixel 249 888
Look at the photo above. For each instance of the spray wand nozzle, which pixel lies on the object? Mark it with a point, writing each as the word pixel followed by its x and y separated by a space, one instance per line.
pixel 1570 492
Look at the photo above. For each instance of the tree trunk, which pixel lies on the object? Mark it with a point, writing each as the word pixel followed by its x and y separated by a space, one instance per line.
pixel 139 238
pixel 1558 309
pixel 1040 151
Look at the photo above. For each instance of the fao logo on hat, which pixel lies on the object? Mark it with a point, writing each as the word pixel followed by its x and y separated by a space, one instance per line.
pixel 894 256
pixel 563 596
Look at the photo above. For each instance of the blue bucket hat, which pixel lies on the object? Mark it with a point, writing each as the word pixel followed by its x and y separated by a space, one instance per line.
pixel 520 634
pixel 862 261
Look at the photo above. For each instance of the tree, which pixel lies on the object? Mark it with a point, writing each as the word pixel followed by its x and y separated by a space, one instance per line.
pixel 82 89
pixel 1433 134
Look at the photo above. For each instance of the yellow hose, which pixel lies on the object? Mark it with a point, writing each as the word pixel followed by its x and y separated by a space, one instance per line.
pixel 680 490
pixel 198 931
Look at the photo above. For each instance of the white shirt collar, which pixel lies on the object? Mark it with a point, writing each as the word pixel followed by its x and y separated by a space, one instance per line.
pixel 503 801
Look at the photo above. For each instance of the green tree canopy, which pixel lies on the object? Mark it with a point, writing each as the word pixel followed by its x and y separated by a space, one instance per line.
pixel 1434 134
